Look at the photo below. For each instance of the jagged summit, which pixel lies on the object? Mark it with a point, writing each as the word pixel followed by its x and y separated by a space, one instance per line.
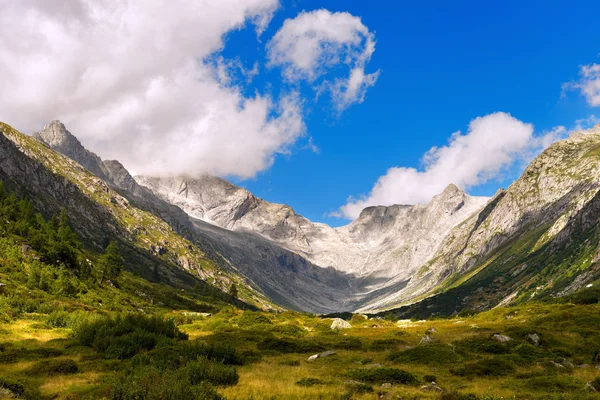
pixel 58 138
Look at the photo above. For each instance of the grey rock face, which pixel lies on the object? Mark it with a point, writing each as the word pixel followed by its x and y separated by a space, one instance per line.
pixel 380 251
pixel 58 138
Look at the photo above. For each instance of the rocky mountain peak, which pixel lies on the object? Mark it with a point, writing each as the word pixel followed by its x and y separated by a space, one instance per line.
pixel 58 138
pixel 56 135
pixel 119 175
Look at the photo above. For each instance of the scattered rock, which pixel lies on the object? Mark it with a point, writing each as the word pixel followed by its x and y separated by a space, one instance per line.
pixel 386 385
pixel 324 354
pixel 584 366
pixel 567 364
pixel 427 339
pixel 431 330
pixel 534 338
pixel 589 387
pixel 339 323
pixel 501 338
pixel 432 387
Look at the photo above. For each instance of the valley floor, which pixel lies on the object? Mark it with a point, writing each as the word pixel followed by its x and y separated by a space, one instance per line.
pixel 552 354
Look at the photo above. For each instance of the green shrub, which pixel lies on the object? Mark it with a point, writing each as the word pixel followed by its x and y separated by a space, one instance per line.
pixel 429 378
pixel 482 344
pixel 458 396
pixel 384 375
pixel 218 374
pixel 124 336
pixel 58 319
pixel 557 383
pixel 427 354
pixel 308 382
pixel 151 384
pixel 14 387
pixel 54 367
pixel 386 344
pixel 486 367
pixel 289 345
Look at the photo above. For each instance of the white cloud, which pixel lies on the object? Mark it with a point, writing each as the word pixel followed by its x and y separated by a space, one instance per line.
pixel 311 45
pixel 492 144
pixel 142 82
pixel 586 123
pixel 588 84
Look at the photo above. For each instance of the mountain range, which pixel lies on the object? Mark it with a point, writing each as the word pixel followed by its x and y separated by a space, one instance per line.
pixel 537 238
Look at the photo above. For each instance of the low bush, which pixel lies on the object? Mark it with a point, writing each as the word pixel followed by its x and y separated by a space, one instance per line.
pixel 386 344
pixel 58 319
pixel 152 384
pixel 203 370
pixel 289 345
pixel 308 382
pixel 429 378
pixel 384 375
pixel 482 344
pixel 54 367
pixel 557 383
pixel 124 336
pixel 428 354
pixel 486 367
pixel 290 363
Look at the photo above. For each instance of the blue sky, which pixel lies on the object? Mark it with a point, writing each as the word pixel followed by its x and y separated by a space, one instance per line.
pixel 442 64
pixel 288 99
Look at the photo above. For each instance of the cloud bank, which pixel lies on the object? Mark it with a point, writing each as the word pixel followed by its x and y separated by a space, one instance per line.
pixel 309 46
pixel 144 82
pixel 588 84
pixel 492 143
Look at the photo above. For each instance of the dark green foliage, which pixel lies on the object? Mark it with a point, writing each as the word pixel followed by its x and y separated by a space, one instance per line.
pixel 123 336
pixel 429 378
pixel 233 291
pixel 110 263
pixel 486 367
pixel 308 382
pixel 427 354
pixel 458 396
pixel 386 344
pixel 150 383
pixel 557 383
pixel 384 375
pixel 289 345
pixel 54 367
pixel 482 345
pixel 15 387
pixel 216 373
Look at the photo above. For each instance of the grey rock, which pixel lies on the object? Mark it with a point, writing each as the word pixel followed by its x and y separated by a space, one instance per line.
pixel 426 339
pixel 386 385
pixel 313 357
pixel 534 338
pixel 432 387
pixel 590 387
pixel 338 323
pixel 501 338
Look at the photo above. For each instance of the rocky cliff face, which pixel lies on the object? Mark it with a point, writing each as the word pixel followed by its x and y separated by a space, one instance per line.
pixel 378 253
pixel 58 138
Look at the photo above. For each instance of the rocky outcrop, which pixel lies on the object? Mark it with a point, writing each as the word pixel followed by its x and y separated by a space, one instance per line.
pixel 58 138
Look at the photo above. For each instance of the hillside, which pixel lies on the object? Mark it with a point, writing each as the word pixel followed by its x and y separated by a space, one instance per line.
pixel 151 247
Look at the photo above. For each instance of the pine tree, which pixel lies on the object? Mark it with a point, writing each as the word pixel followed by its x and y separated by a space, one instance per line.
pixel 111 263
pixel 233 291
